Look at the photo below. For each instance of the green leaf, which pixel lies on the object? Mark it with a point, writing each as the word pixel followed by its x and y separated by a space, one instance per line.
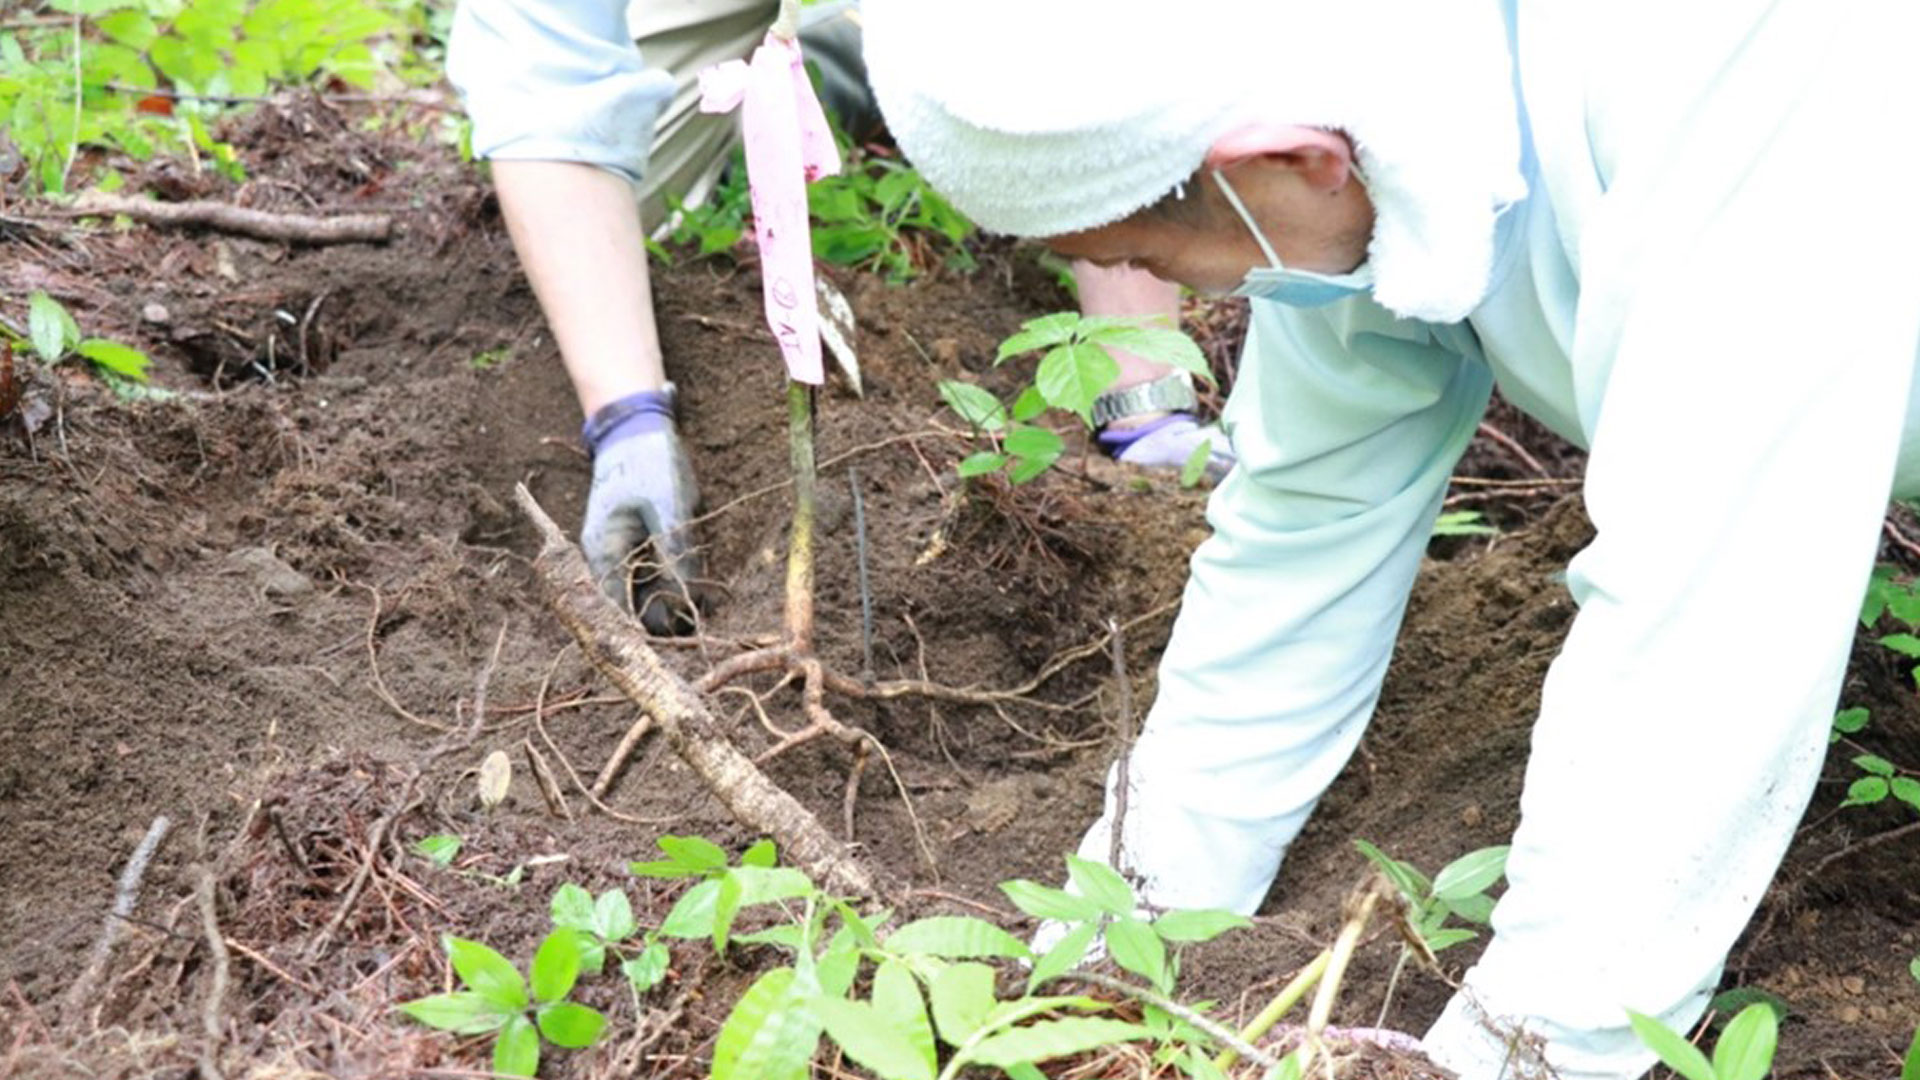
pixel 120 360
pixel 766 885
pixel 869 1039
pixel 1904 644
pixel 1913 968
pixel 977 407
pixel 1160 344
pixel 955 936
pixel 1470 874
pixel 726 905
pixel 1066 954
pixel 440 849
pixel 1728 1002
pixel 1195 467
pixel 770 1035
pixel 692 914
pixel 1041 333
pixel 50 326
pixel 1412 883
pixel 1448 938
pixel 1907 790
pixel 1029 404
pixel 1035 450
pixel 1200 924
pixel 762 854
pixel 134 29
pixel 1462 523
pixel 1072 375
pixel 896 998
pixel 1135 947
pixel 571 1025
pixel 572 907
pixel 1680 1055
pixel 1849 722
pixel 1476 909
pixel 1100 884
pixel 517 1051
pixel 462 1012
pixel 613 916
pixel 1198 1066
pixel 694 853
pixel 962 994
pixel 985 461
pixel 487 973
pixel 1911 1069
pixel 1291 1067
pixel 556 965
pixel 1044 902
pixel 646 970
pixel 1875 764
pixel 1745 1049
pixel 1866 790
pixel 1054 1038
pixel 1021 1070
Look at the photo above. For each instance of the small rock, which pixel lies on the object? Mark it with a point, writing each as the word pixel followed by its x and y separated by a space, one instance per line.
pixel 1471 816
pixel 280 582
pixel 1853 984
pixel 1848 1014
pixel 945 351
pixel 155 312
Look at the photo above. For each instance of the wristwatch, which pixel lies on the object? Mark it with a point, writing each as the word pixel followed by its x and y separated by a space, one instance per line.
pixel 1169 393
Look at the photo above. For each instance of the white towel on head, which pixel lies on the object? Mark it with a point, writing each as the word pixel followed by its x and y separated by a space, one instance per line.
pixel 1044 118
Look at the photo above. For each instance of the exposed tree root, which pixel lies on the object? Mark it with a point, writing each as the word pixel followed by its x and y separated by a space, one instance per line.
pixel 259 224
pixel 619 651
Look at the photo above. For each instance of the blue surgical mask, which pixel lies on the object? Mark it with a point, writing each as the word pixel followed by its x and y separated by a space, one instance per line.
pixel 1297 288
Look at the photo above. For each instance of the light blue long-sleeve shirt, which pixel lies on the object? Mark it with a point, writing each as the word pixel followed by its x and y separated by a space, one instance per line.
pixel 1713 287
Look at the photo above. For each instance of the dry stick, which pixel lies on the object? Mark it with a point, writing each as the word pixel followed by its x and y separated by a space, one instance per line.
pixel 1513 447
pixel 125 898
pixel 540 725
pixel 1123 735
pixel 217 993
pixel 240 220
pixel 604 782
pixel 1221 1034
pixel 1340 955
pixel 866 589
pixel 549 790
pixel 617 649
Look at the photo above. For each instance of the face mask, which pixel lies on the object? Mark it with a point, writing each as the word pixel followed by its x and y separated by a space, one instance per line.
pixel 1297 288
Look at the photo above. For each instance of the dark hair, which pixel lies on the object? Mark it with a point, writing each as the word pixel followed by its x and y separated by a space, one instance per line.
pixel 1186 204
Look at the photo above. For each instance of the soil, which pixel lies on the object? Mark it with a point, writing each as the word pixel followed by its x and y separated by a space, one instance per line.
pixel 261 608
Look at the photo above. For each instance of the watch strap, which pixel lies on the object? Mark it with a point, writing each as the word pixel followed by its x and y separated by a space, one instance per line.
pixel 1169 393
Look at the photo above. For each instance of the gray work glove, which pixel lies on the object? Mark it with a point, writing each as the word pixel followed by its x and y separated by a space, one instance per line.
pixel 635 535
pixel 1166 443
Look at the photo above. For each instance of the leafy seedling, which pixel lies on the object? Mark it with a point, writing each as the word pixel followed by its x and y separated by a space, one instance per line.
pixel 1459 890
pixel 440 849
pixel 518 1012
pixel 56 336
pixel 1744 1050
pixel 1463 523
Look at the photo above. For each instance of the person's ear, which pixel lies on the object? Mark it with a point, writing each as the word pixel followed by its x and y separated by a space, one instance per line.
pixel 1323 158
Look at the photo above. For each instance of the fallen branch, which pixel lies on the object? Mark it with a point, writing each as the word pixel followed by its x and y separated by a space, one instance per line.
pixel 618 649
pixel 124 901
pixel 217 993
pixel 222 217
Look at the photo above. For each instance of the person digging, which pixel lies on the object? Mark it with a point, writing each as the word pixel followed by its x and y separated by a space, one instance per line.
pixel 1679 237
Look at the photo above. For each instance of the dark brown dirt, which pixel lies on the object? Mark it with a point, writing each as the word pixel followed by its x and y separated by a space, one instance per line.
pixel 256 608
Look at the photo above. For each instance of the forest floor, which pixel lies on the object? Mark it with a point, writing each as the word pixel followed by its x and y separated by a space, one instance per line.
pixel 257 609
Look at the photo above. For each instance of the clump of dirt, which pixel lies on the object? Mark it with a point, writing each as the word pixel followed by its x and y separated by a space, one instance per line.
pixel 264 609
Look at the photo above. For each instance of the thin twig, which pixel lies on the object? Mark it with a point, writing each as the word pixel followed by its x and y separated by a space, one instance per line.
pixel 604 782
pixel 217 993
pixel 125 898
pixel 380 683
pixel 1123 740
pixel 1858 846
pixel 543 776
pixel 1513 447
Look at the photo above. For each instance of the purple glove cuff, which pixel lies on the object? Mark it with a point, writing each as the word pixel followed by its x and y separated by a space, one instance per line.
pixel 1116 440
pixel 635 414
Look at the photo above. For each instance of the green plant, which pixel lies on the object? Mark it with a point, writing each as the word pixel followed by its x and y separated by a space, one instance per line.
pixel 929 983
pixel 439 849
pixel 519 1012
pixel 878 214
pixel 55 337
pixel 1743 1052
pixel 1459 890
pixel 1889 596
pixel 1463 523
pixel 1076 364
pixel 141 77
